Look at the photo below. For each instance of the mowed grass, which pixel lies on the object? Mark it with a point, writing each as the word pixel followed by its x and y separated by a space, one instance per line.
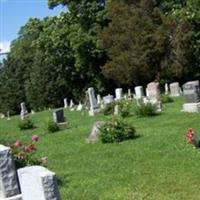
pixel 159 165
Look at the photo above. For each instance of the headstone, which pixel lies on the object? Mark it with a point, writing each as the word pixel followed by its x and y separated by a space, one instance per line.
pixel 2 115
pixel 8 179
pixel 8 115
pixel 129 94
pixel 79 107
pixel 116 110
pixel 58 116
pixel 65 103
pixel 108 99
pixel 24 112
pixel 95 132
pixel 153 91
pixel 174 89
pixel 93 107
pixel 32 112
pixel 71 104
pixel 118 93
pixel 191 92
pixel 166 88
pixel 98 99
pixel 139 93
pixel 38 183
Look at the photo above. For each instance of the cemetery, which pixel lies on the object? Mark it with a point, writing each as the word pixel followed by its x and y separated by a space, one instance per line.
pixel 100 100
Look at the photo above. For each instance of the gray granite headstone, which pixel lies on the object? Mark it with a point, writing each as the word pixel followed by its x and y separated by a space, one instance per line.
pixel 38 183
pixel 8 178
pixel 58 116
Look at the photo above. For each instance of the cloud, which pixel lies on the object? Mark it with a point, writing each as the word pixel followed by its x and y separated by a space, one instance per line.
pixel 4 46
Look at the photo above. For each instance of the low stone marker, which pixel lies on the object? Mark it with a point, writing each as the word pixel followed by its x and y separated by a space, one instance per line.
pixel 191 93
pixel 95 132
pixel 9 187
pixel 38 183
pixel 174 89
pixel 139 92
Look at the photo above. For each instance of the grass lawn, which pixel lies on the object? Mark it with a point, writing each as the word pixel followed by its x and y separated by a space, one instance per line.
pixel 159 165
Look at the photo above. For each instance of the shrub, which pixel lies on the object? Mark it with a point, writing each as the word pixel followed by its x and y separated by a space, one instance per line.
pixel 52 127
pixel 166 99
pixel 109 108
pixel 146 110
pixel 116 130
pixel 24 154
pixel 124 109
pixel 25 124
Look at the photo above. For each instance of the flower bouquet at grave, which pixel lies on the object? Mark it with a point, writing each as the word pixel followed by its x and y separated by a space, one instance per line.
pixel 24 154
pixel 193 138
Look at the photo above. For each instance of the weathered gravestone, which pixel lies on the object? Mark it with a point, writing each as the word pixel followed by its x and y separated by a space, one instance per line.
pixel 95 132
pixel 38 183
pixel 58 116
pixel 154 95
pixel 166 88
pixel 71 105
pixel 108 99
pixel 65 103
pixel 139 92
pixel 24 112
pixel 93 107
pixel 9 188
pixel 191 93
pixel 174 89
pixel 98 99
pixel 118 93
pixel 130 94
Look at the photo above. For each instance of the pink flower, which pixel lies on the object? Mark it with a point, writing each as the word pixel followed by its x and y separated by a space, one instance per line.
pixel 18 143
pixel 35 138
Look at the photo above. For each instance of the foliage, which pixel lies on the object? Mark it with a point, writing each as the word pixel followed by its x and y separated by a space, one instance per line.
pixel 124 108
pixel 145 110
pixel 109 108
pixel 116 130
pixel 26 124
pixel 52 127
pixel 166 99
pixel 24 154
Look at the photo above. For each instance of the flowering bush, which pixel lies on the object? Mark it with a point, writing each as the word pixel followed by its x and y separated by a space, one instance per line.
pixel 24 154
pixel 192 138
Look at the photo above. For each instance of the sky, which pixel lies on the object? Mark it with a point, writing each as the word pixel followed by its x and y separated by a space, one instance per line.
pixel 15 13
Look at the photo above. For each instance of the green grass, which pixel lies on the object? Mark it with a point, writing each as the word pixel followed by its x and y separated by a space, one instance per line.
pixel 159 165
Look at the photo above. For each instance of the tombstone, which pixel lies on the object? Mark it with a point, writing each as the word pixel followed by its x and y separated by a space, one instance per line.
pixel 24 112
pixel 95 132
pixel 98 99
pixel 38 183
pixel 129 94
pixel 174 89
pixel 58 116
pixel 71 104
pixel 79 107
pixel 166 88
pixel 118 94
pixel 191 93
pixel 2 115
pixel 139 93
pixel 32 112
pixel 116 110
pixel 93 107
pixel 8 179
pixel 8 115
pixel 65 103
pixel 108 99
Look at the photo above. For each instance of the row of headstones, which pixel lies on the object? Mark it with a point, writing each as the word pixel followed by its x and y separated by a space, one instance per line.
pixel 28 183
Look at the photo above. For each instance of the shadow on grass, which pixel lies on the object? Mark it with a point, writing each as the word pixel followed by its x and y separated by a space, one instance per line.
pixel 63 180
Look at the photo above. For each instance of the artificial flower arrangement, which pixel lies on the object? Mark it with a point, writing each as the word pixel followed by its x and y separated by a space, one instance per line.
pixel 24 154
pixel 192 138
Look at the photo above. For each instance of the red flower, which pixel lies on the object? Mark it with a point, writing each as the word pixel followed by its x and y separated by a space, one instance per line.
pixel 190 136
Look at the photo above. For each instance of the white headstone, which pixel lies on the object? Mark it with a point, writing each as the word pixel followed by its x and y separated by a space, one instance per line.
pixel 38 183
pixel 8 115
pixel 166 89
pixel 174 89
pixel 116 110
pixel 71 104
pixel 79 107
pixel 108 99
pixel 118 93
pixel 24 112
pixel 93 107
pixel 98 99
pixel 129 94
pixel 139 93
pixel 8 179
pixel 65 103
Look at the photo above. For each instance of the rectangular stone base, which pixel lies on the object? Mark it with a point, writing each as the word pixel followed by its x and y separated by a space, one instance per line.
pixel 62 125
pixel 191 107
pixel 17 197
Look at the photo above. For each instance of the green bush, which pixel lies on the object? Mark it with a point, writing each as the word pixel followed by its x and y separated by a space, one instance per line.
pixel 116 130
pixel 124 108
pixel 52 127
pixel 166 99
pixel 26 124
pixel 146 110
pixel 109 108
